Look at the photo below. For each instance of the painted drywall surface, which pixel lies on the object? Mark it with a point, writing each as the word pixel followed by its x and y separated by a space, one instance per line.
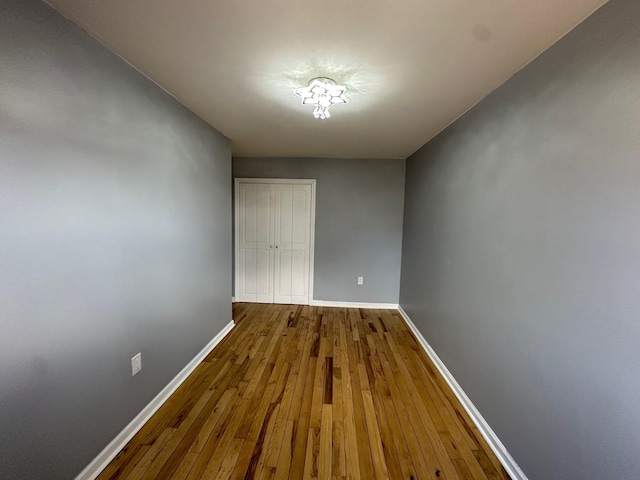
pixel 359 206
pixel 115 238
pixel 521 253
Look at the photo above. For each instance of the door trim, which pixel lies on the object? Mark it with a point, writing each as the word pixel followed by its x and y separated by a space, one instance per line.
pixel 236 228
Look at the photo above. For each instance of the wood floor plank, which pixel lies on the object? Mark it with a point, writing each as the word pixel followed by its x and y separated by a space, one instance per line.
pixel 462 456
pixel 265 377
pixel 255 446
pixel 276 439
pixel 176 437
pixel 311 392
pixel 185 466
pixel 379 392
pixel 230 458
pixel 352 463
pixel 339 469
pixel 422 464
pixel 301 432
pixel 315 419
pixel 375 439
pixel 295 401
pixel 365 463
pixel 421 418
pixel 326 438
pixel 120 467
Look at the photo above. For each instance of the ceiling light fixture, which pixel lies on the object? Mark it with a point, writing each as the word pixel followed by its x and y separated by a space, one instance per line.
pixel 323 93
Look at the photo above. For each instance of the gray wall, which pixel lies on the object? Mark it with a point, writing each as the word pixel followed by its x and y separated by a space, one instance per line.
pixel 359 206
pixel 521 253
pixel 115 238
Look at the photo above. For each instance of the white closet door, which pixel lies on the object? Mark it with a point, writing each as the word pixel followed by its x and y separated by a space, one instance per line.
pixel 255 255
pixel 292 231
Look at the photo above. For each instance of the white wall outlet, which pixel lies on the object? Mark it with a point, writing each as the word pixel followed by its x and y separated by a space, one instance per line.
pixel 360 280
pixel 136 364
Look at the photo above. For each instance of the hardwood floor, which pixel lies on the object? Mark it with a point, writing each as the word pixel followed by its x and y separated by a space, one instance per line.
pixel 311 392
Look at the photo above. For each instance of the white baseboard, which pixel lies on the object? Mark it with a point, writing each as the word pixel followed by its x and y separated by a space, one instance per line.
pixel 490 436
pixel 110 451
pixel 233 299
pixel 329 303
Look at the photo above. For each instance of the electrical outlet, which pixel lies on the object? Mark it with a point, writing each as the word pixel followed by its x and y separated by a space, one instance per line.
pixel 136 364
pixel 360 280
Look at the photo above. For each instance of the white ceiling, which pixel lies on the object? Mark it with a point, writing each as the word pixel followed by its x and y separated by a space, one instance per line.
pixel 413 66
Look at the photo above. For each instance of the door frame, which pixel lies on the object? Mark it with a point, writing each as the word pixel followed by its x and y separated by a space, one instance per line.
pixel 236 228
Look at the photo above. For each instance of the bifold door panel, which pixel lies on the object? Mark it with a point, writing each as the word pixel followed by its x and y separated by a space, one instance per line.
pixel 292 206
pixel 255 247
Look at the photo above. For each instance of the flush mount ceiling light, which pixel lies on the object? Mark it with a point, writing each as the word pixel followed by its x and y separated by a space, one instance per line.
pixel 323 93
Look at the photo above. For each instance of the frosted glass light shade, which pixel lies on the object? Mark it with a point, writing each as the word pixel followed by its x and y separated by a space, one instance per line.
pixel 323 93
